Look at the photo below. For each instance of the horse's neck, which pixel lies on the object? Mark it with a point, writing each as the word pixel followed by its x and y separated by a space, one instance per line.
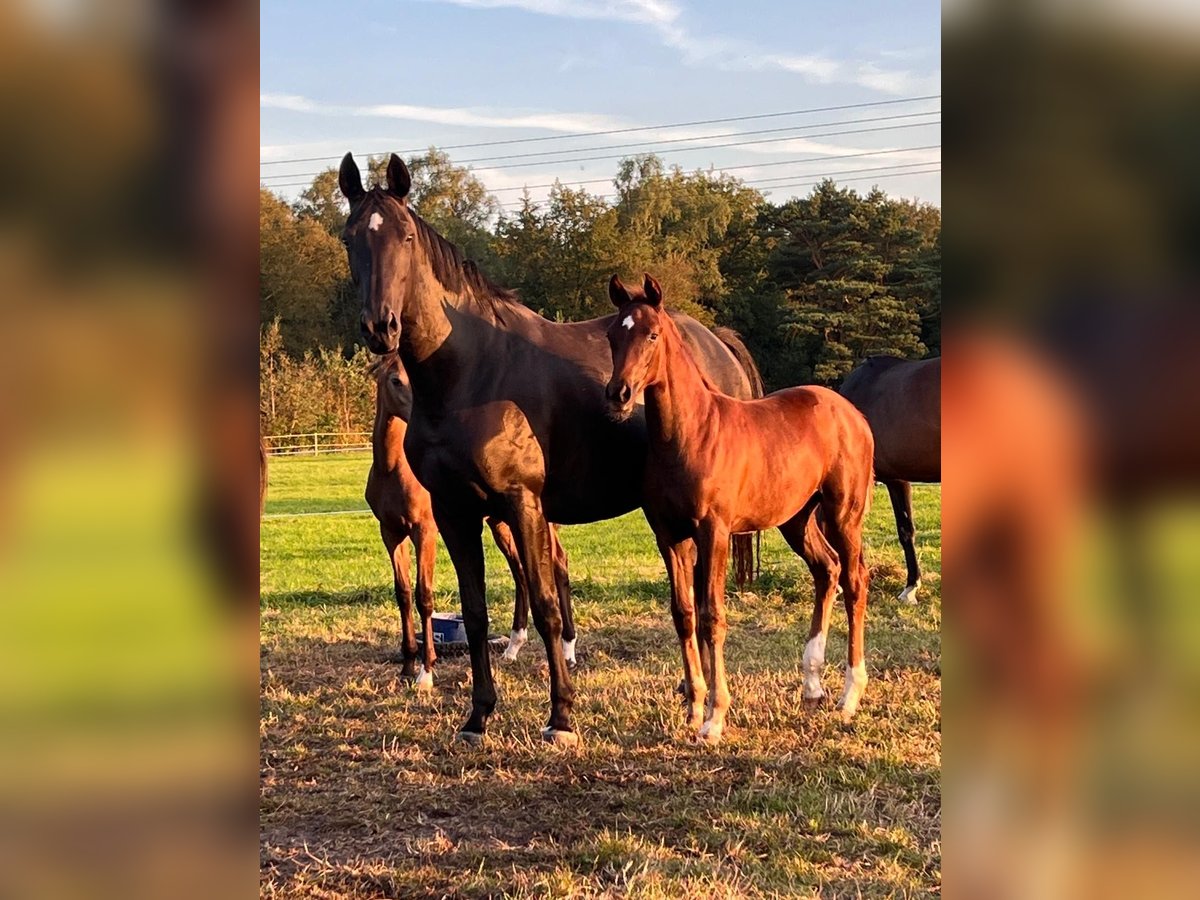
pixel 679 406
pixel 436 353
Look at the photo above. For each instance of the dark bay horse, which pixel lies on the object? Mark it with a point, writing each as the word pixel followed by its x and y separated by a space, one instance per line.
pixel 902 399
pixel 405 512
pixel 509 414
pixel 718 465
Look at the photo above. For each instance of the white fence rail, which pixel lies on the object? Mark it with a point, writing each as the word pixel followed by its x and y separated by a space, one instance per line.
pixel 317 442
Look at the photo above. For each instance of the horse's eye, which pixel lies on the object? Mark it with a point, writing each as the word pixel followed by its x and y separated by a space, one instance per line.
pixel 408 238
pixel 654 336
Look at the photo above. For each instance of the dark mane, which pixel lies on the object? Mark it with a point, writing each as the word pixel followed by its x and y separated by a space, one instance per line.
pixel 457 274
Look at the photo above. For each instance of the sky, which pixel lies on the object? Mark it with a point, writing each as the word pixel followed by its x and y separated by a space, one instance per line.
pixel 400 75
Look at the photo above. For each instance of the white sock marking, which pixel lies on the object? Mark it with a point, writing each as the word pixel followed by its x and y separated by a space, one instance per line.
pixel 516 640
pixel 856 682
pixel 813 662
pixel 569 651
pixel 627 322
pixel 424 678
pixel 711 731
pixel 375 221
pixel 909 594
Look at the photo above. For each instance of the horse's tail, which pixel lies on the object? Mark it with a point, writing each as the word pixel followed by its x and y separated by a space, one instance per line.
pixel 746 548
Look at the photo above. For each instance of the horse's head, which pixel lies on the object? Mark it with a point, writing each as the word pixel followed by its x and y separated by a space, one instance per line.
pixel 634 340
pixel 379 240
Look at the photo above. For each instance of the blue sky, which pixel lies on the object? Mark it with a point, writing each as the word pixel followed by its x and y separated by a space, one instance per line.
pixel 400 75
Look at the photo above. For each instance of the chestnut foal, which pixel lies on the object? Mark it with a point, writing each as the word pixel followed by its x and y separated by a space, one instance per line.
pixel 719 466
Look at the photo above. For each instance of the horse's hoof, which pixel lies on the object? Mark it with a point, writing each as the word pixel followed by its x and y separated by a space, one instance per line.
pixel 814 702
pixel 568 648
pixel 710 733
pixel 909 594
pixel 424 680
pixel 408 669
pixel 470 738
pixel 559 738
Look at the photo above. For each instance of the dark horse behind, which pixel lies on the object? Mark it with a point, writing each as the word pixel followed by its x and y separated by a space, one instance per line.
pixel 902 399
pixel 509 416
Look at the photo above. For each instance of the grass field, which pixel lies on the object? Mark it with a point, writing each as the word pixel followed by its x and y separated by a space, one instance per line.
pixel 364 794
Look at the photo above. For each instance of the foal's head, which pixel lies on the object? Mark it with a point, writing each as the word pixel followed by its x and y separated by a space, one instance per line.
pixel 394 396
pixel 634 340
pixel 379 240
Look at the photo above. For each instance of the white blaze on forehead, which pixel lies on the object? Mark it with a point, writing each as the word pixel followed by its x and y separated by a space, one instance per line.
pixel 628 322
pixel 375 221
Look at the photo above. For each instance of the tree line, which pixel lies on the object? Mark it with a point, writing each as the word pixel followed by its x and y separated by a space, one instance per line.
pixel 814 285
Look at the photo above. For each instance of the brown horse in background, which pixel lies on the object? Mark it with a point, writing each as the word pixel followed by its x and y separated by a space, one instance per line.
pixel 405 511
pixel 719 466
pixel 902 399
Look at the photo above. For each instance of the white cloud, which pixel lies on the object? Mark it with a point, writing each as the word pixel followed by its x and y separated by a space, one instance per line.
pixel 663 17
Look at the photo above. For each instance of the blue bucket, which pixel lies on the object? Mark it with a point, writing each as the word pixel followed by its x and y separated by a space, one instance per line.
pixel 448 628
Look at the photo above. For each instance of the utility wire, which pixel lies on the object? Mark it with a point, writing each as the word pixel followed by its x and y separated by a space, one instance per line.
pixel 576 134
pixel 657 143
pixel 678 149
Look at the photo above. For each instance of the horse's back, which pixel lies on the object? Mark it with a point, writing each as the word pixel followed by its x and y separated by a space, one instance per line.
pixel 902 401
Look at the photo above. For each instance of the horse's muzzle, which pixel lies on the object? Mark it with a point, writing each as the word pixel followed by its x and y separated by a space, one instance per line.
pixel 383 334
pixel 620 400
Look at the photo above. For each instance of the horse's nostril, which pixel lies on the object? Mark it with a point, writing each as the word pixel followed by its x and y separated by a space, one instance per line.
pixel 625 393
pixel 392 325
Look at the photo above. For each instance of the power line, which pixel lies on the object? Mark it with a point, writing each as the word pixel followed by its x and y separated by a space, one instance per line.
pixel 818 178
pixel 685 140
pixel 755 165
pixel 679 149
pixel 576 134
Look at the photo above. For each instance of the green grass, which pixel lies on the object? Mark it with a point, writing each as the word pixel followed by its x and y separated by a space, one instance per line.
pixel 365 794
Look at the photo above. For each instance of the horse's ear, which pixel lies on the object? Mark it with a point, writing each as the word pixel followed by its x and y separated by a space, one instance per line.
pixel 350 180
pixel 652 290
pixel 398 179
pixel 617 292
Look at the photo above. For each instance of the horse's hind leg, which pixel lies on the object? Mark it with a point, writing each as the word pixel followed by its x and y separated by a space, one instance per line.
pixel 425 542
pixel 562 583
pixel 901 495
pixel 520 624
pixel 803 534
pixel 845 506
pixel 396 543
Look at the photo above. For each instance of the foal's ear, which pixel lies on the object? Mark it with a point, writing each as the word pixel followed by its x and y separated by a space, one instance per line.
pixel 350 180
pixel 617 292
pixel 398 179
pixel 652 290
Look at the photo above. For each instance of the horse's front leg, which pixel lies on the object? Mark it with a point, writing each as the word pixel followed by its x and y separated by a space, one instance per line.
pixel 562 583
pixel 712 546
pixel 397 547
pixel 532 532
pixel 679 556
pixel 425 542
pixel 463 534
pixel 900 493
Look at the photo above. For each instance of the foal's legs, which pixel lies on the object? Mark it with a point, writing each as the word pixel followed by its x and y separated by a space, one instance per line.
pixel 534 543
pixel 396 543
pixel 901 494
pixel 678 556
pixel 425 542
pixel 463 534
pixel 803 534
pixel 712 546
pixel 520 624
